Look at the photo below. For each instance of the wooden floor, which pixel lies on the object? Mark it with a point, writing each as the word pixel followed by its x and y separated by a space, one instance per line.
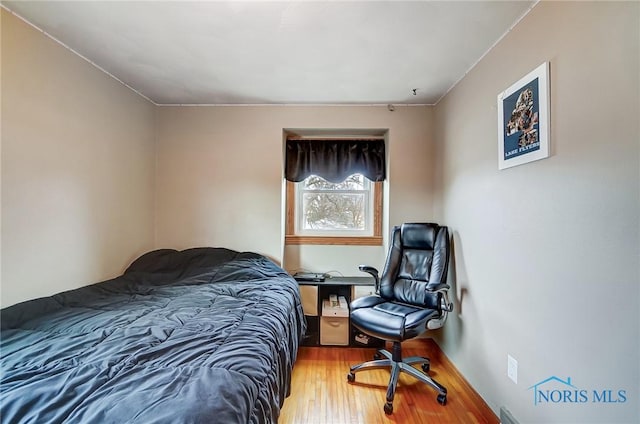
pixel 321 394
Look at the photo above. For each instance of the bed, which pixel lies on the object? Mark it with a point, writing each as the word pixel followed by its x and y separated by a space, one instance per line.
pixel 196 336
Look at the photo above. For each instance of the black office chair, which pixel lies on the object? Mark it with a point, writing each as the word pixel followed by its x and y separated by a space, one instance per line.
pixel 411 297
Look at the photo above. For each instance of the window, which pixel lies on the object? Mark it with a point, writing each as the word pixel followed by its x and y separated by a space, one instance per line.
pixel 334 190
pixel 322 212
pixel 340 208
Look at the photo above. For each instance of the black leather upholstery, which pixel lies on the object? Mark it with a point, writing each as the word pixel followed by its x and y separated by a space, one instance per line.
pixel 391 321
pixel 411 299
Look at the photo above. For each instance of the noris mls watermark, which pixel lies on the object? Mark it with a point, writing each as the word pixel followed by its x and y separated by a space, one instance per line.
pixel 555 390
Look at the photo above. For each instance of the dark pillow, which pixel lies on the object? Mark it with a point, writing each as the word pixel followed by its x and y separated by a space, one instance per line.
pixel 170 260
pixel 161 260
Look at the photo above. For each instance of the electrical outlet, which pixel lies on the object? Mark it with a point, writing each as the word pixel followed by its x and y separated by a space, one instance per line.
pixel 512 368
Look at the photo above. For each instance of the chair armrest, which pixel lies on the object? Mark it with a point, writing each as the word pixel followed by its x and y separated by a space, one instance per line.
pixel 443 288
pixel 439 288
pixel 374 273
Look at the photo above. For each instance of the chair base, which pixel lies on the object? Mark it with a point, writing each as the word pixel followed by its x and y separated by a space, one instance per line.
pixel 398 365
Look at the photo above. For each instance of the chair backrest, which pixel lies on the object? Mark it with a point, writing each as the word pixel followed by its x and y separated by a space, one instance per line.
pixel 418 260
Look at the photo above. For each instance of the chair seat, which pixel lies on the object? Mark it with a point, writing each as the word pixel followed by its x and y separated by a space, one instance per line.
pixel 389 320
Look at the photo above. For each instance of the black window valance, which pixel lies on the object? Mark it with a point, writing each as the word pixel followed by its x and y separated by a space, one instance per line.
pixel 334 160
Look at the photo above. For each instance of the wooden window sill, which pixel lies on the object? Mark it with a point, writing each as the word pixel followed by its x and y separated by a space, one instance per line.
pixel 351 241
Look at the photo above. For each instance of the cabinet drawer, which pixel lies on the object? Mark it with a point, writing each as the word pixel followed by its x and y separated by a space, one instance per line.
pixel 334 331
pixel 309 295
pixel 361 291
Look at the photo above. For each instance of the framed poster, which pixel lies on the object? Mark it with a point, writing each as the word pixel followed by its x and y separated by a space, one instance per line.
pixel 523 119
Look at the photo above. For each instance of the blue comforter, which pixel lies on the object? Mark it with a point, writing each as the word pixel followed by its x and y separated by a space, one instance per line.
pixel 205 335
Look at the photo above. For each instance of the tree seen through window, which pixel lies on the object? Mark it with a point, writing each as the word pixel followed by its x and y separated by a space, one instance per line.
pixel 335 206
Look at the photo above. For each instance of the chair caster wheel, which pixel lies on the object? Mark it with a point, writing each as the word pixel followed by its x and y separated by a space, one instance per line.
pixel 388 408
pixel 351 377
pixel 442 399
pixel 426 368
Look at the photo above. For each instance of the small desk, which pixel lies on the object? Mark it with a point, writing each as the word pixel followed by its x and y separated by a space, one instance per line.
pixel 313 292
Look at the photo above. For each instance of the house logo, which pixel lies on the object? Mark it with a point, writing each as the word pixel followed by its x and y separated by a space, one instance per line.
pixel 554 390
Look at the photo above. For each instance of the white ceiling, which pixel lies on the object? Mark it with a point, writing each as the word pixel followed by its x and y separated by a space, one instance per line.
pixel 289 52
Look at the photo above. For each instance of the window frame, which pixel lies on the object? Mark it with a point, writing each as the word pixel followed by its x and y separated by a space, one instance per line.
pixel 291 238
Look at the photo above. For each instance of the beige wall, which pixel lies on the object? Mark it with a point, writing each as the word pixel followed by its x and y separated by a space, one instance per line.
pixel 220 177
pixel 546 254
pixel 77 168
